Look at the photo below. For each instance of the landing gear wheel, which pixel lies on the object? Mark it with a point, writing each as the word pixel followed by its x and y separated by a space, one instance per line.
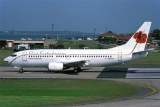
pixel 77 69
pixel 21 70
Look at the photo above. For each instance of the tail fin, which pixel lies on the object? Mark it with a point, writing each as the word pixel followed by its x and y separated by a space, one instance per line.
pixel 138 41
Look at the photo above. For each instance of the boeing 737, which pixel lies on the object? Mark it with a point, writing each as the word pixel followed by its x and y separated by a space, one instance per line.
pixel 60 59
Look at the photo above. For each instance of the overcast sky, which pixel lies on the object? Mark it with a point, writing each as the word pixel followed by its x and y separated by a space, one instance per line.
pixel 120 16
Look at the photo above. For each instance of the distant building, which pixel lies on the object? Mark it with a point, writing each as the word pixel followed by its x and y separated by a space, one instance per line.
pixel 123 38
pixel 155 43
pixel 89 38
pixel 44 43
pixel 21 47
pixel 6 43
pixel 118 38
pixel 84 38
pixel 3 43
pixel 28 42
pixel 151 42
pixel 79 38
pixel 9 43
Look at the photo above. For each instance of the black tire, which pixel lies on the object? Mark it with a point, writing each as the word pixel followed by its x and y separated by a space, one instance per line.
pixel 75 70
pixel 79 69
pixel 21 70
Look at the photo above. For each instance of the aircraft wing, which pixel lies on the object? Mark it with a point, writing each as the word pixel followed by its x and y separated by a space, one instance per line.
pixel 75 63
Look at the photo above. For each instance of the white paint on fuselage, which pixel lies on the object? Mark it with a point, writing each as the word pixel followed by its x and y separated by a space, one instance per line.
pixel 94 57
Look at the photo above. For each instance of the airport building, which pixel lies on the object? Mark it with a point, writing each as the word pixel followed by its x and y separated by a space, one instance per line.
pixel 6 43
pixel 45 43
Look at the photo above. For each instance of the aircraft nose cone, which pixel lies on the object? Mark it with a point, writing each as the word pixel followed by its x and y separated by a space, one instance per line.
pixel 6 59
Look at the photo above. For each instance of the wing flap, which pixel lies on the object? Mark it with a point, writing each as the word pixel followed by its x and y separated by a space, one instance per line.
pixel 75 64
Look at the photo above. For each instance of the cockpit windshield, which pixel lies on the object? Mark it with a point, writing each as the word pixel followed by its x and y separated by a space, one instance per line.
pixel 13 55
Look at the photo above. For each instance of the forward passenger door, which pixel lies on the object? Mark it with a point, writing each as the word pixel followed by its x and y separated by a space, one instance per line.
pixel 24 56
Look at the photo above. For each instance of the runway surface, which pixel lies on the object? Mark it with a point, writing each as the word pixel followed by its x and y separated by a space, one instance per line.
pixel 88 73
pixel 146 76
pixel 134 73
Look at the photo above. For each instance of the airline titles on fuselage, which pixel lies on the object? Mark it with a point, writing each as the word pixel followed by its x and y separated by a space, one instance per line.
pixel 49 54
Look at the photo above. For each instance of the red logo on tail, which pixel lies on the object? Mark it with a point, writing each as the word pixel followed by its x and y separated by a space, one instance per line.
pixel 140 37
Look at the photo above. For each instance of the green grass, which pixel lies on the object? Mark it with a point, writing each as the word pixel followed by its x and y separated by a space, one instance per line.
pixel 75 44
pixel 43 92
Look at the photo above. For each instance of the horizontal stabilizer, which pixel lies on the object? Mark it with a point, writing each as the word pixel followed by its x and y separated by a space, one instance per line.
pixel 145 51
pixel 149 50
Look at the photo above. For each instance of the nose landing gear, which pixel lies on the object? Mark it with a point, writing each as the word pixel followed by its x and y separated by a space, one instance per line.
pixel 21 70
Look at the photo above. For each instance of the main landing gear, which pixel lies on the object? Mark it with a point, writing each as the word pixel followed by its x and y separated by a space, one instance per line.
pixel 77 69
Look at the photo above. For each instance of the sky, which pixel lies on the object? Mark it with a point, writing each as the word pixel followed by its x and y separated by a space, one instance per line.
pixel 119 16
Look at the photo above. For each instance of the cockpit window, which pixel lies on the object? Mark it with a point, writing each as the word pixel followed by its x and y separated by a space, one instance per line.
pixel 13 55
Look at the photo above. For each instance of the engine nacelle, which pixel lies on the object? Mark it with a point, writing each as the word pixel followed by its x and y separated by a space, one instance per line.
pixel 55 66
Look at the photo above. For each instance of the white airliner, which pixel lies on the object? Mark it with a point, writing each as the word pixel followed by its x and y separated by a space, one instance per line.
pixel 60 59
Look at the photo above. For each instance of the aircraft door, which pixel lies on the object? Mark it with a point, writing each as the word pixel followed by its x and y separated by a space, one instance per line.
pixel 24 56
pixel 119 56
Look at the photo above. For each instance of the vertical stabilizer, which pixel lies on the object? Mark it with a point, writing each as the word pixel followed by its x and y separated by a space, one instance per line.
pixel 138 41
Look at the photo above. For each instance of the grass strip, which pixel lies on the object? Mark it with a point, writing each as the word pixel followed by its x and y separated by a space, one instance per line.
pixel 39 92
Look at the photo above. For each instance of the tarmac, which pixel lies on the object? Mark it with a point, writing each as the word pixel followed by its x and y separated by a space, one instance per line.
pixel 87 73
pixel 149 77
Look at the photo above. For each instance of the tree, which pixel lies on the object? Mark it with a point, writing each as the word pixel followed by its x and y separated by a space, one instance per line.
pixel 109 32
pixel 81 46
pixel 38 46
pixel 46 37
pixel 156 33
pixel 100 46
pixel 108 39
pixel 52 46
pixel 60 47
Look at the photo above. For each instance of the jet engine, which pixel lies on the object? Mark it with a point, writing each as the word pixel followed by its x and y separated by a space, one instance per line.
pixel 55 66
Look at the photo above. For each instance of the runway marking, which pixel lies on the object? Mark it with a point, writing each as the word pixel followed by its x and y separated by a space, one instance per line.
pixel 154 90
pixel 144 69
